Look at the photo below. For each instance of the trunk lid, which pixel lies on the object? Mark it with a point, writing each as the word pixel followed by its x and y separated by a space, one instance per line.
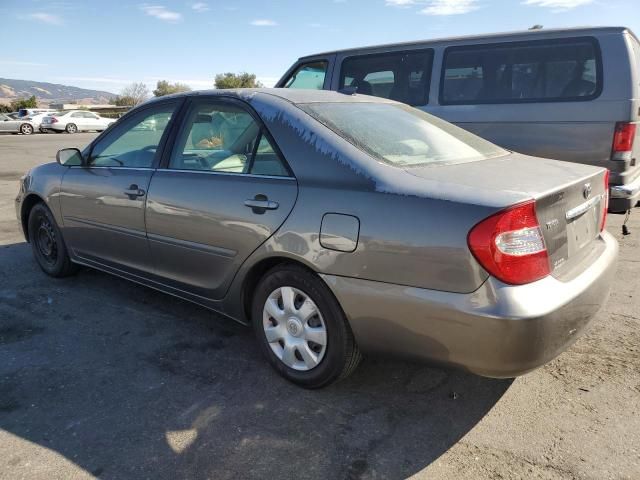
pixel 570 198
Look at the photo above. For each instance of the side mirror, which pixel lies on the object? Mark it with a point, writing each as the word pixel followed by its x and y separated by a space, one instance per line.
pixel 70 157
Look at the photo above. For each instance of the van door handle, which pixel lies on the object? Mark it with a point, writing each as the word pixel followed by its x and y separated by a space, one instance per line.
pixel 261 204
pixel 134 192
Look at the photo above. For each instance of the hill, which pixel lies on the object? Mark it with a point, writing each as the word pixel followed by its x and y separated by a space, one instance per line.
pixel 11 89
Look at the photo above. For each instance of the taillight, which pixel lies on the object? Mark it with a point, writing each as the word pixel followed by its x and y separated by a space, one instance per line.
pixel 54 120
pixel 510 246
pixel 605 203
pixel 623 137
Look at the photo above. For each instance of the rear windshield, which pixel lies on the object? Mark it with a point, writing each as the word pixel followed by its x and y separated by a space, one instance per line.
pixel 401 135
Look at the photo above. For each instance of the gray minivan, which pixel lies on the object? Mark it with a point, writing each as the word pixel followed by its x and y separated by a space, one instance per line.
pixel 570 94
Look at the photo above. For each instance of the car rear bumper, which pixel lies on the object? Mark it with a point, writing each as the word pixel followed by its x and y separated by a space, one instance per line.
pixel 52 126
pixel 624 197
pixel 497 331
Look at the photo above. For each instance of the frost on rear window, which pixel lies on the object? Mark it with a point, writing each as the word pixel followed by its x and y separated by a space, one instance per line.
pixel 400 135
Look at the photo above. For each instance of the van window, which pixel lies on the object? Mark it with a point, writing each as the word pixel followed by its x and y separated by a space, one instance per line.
pixel 308 75
pixel 537 71
pixel 402 76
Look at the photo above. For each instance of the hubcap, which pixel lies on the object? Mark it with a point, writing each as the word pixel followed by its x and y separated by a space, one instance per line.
pixel 294 328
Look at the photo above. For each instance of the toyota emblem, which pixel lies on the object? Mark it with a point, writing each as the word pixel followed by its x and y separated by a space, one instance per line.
pixel 586 190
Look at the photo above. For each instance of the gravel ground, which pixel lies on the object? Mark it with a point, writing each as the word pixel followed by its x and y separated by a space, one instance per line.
pixel 103 378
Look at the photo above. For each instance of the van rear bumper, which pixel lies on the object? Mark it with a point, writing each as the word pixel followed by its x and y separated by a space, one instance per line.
pixel 624 197
pixel 497 331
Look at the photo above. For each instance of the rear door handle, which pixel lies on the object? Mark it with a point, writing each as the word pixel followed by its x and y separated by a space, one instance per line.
pixel 134 192
pixel 261 204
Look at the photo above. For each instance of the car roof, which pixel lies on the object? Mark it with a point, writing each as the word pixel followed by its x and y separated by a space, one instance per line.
pixel 519 34
pixel 291 95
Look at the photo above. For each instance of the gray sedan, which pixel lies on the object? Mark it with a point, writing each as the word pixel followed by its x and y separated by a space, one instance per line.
pixel 335 225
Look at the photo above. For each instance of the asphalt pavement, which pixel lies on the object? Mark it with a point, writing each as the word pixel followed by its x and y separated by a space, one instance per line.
pixel 104 378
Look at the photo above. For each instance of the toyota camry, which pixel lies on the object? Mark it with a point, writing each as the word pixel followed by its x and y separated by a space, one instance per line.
pixel 336 225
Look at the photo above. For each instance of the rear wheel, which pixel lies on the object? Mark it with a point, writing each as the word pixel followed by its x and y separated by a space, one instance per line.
pixel 71 128
pixel 301 328
pixel 47 243
pixel 26 129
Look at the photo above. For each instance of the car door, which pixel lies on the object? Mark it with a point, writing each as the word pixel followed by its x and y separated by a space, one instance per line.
pixel 78 119
pixel 6 124
pixel 223 191
pixel 103 202
pixel 93 121
pixel 88 122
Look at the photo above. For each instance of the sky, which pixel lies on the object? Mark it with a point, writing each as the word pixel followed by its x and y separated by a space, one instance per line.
pixel 105 45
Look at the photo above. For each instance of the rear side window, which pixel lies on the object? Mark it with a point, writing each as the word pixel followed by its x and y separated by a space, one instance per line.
pixel 537 71
pixel 308 75
pixel 221 137
pixel 402 76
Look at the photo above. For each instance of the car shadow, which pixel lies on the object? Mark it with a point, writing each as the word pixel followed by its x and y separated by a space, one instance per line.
pixel 126 382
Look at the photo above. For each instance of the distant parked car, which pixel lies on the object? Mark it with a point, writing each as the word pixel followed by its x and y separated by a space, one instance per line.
pixel 334 224
pixel 75 121
pixel 37 120
pixel 570 94
pixel 28 112
pixel 20 125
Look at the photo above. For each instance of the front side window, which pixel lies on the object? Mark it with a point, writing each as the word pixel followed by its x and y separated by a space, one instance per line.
pixel 537 71
pixel 401 76
pixel 133 143
pixel 400 135
pixel 309 76
pixel 221 137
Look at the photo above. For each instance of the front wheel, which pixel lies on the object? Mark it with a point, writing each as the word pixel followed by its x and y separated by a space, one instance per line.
pixel 26 129
pixel 47 244
pixel 301 328
pixel 71 128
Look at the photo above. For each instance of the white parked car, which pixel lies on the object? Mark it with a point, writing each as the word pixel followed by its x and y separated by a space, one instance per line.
pixel 75 121
pixel 13 125
pixel 36 120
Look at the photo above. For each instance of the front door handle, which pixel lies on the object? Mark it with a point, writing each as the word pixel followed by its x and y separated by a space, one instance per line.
pixel 134 192
pixel 261 204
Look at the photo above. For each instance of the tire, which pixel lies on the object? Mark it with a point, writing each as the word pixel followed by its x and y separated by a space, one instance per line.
pixel 47 243
pixel 71 128
pixel 26 129
pixel 292 335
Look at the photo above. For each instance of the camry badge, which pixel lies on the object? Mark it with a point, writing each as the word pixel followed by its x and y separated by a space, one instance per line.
pixel 586 190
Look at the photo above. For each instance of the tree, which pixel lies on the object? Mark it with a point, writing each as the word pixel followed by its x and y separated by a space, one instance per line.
pixel 135 94
pixel 237 80
pixel 19 103
pixel 124 101
pixel 165 88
